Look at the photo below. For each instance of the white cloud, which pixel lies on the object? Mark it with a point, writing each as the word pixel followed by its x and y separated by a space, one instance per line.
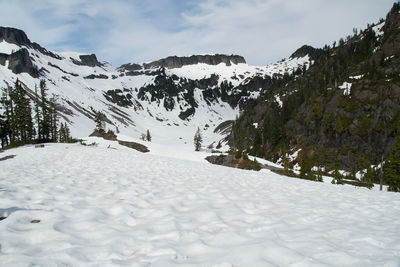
pixel 123 31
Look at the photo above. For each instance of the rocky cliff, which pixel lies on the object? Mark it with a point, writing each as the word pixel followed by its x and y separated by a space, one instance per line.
pixel 178 62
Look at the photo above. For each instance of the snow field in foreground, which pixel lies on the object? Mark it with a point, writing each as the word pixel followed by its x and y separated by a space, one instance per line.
pixel 105 207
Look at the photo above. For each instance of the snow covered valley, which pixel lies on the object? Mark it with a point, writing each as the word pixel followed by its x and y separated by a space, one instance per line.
pixel 108 205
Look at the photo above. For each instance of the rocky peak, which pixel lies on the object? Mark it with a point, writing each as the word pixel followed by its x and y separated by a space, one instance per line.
pixel 178 62
pixel 14 36
pixel 87 60
pixel 130 67
pixel 306 50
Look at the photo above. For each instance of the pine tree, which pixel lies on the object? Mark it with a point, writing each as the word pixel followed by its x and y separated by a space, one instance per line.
pixel 305 165
pixel 21 124
pixel 61 133
pixel 53 119
pixel 336 174
pixel 5 130
pixel 37 114
pixel 285 161
pixel 392 167
pixel 370 176
pixel 99 120
pixel 64 133
pixel 67 133
pixel 148 136
pixel 198 139
pixel 319 174
pixel 46 116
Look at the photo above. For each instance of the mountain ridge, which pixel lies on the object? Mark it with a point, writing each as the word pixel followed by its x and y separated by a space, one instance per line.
pixel 163 95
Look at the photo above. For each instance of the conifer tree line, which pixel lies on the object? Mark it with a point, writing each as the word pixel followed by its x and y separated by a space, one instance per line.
pixel 333 127
pixel 17 123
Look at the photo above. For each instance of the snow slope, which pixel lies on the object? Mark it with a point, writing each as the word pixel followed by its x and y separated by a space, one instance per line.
pixel 80 89
pixel 71 205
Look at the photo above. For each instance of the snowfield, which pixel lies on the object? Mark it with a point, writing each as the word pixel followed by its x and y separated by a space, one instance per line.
pixel 74 205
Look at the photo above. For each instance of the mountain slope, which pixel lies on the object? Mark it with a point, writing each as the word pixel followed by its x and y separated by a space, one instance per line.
pixel 171 96
pixel 343 112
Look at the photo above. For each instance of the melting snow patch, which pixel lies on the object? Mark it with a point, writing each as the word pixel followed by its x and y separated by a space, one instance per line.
pixel 7 48
pixel 278 100
pixel 388 58
pixel 254 95
pixel 346 88
pixel 357 77
pixel 378 29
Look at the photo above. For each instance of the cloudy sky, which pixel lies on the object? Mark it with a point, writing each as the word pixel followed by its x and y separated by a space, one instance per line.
pixel 122 31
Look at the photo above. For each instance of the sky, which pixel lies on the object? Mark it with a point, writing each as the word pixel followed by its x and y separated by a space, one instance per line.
pixel 134 31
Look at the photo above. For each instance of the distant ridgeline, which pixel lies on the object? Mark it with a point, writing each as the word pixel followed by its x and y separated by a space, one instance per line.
pixel 203 91
pixel 343 112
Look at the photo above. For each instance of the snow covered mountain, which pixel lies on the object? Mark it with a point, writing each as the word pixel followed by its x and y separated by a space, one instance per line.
pixel 171 97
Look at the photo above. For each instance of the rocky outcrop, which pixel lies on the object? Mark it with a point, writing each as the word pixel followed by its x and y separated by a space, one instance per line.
pixel 18 37
pixel 118 97
pixel 233 162
pixel 178 62
pixel 19 62
pixel 87 60
pixel 14 36
pixel 94 76
pixel 134 145
pixel 129 67
pixel 305 50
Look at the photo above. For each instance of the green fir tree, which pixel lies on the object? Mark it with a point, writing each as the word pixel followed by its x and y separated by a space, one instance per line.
pixel 198 139
pixel 391 168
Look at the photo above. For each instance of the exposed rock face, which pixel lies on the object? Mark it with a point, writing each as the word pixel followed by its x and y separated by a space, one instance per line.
pixel 20 62
pixel 87 60
pixel 178 62
pixel 118 97
pixel 231 161
pixel 93 76
pixel 134 145
pixel 130 67
pixel 14 36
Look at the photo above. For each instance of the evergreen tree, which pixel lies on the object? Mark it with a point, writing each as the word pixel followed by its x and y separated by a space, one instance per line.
pixel 305 165
pixel 99 118
pixel 370 176
pixel 67 132
pixel 285 161
pixel 392 167
pixel 198 139
pixel 45 125
pixel 61 133
pixel 53 119
pixel 21 124
pixel 64 133
pixel 148 136
pixel 5 130
pixel 336 173
pixel 319 175
pixel 37 114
